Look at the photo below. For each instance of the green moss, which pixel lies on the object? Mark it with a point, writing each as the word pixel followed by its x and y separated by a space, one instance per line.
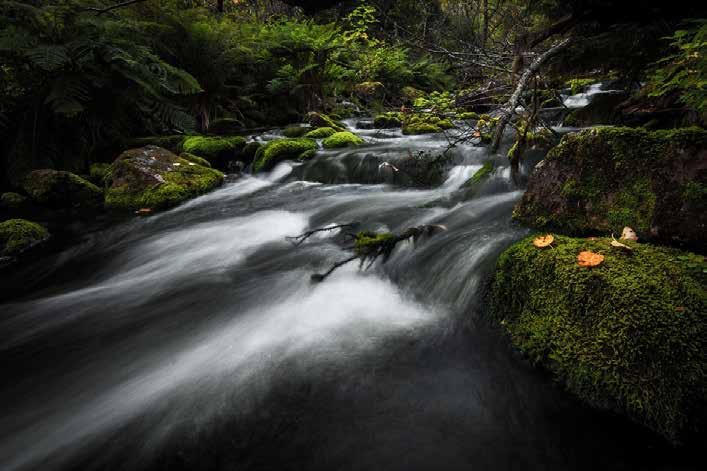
pixel 308 154
pixel 19 235
pixel 626 335
pixel 97 172
pixel 320 133
pixel 281 149
pixel 695 194
pixel 391 119
pixel 217 150
pixel 172 143
pixel 11 200
pixel 482 174
pixel 59 189
pixel 295 131
pixel 606 178
pixel 467 115
pixel 421 128
pixel 577 85
pixel 181 182
pixel 342 139
pixel 367 242
pixel 320 120
pixel 195 159
pixel 445 124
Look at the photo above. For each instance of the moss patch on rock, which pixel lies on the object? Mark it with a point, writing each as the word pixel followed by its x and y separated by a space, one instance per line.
pixel 600 180
pixel 342 139
pixel 19 235
pixel 57 189
pixel 278 150
pixel 320 120
pixel 627 335
pixel 391 119
pixel 12 201
pixel 97 172
pixel 151 177
pixel 367 241
pixel 219 151
pixel 295 131
pixel 320 133
pixel 421 128
pixel 195 159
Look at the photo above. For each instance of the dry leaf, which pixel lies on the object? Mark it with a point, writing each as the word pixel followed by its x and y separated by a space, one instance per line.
pixel 589 259
pixel 617 244
pixel 543 241
pixel 143 211
pixel 629 234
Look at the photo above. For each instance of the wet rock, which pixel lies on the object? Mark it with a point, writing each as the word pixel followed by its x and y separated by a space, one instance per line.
pixel 152 177
pixel 600 180
pixel 626 335
pixel 320 120
pixel 18 236
pixel 602 109
pixel 56 189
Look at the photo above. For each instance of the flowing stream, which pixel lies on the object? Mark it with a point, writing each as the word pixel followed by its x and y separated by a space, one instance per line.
pixel 194 339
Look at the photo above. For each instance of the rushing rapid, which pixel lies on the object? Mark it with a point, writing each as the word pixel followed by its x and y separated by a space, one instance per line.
pixel 194 339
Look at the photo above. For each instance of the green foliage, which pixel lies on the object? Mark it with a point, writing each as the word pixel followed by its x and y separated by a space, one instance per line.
pixel 19 235
pixel 577 85
pixel 281 149
pixel 342 139
pixel 625 335
pixel 684 71
pixel 97 173
pixel 358 23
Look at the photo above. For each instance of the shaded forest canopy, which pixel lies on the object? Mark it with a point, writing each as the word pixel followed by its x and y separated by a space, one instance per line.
pixel 81 79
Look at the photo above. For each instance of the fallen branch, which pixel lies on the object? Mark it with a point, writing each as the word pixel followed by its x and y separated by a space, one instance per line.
pixel 297 240
pixel 509 109
pixel 100 11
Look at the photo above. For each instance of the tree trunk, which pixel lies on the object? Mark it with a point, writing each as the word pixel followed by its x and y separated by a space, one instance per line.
pixel 509 109
pixel 219 6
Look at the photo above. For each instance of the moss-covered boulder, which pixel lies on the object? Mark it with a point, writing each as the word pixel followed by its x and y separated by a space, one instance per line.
pixel 12 201
pixel 320 120
pixel 278 150
pixel 219 151
pixel 152 177
pixel 320 133
pixel 195 159
pixel 388 120
pixel 342 139
pixel 421 128
pixel 97 172
pixel 627 335
pixel 600 180
pixel 295 131
pixel 57 189
pixel 250 150
pixel 19 235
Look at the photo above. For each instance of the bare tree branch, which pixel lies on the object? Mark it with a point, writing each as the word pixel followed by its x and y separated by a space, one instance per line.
pixel 100 11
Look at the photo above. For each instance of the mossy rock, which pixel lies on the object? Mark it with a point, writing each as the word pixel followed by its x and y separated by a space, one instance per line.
pixel 57 189
pixel 225 126
pixel 467 115
pixel 172 143
pixel 600 180
pixel 219 151
pixel 155 178
pixel 306 155
pixel 278 150
pixel 11 201
pixel 19 235
pixel 421 128
pixel 97 173
pixel 250 150
pixel 391 119
pixel 195 159
pixel 627 335
pixel 320 120
pixel 411 94
pixel 320 133
pixel 295 131
pixel 481 175
pixel 342 139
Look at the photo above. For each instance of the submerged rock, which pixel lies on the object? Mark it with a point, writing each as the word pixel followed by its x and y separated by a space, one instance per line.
pixel 342 139
pixel 278 150
pixel 58 189
pixel 19 235
pixel 600 180
pixel 219 151
pixel 626 335
pixel 152 177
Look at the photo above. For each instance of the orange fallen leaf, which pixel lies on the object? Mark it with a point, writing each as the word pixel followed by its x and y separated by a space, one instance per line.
pixel 680 309
pixel 143 211
pixel 543 241
pixel 589 259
